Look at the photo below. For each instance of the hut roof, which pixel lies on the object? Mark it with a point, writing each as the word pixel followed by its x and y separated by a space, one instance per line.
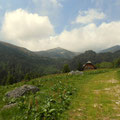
pixel 89 62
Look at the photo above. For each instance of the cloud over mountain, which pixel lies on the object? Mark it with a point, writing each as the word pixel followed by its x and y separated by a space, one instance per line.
pixel 25 28
pixel 90 37
pixel 36 32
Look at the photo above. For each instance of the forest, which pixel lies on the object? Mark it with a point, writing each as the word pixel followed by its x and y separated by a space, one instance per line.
pixel 19 64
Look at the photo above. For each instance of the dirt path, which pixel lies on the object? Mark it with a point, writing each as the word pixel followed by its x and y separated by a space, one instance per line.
pixel 98 100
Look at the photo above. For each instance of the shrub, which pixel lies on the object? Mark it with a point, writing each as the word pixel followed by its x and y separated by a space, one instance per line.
pixel 79 67
pixel 66 68
pixel 105 65
pixel 116 63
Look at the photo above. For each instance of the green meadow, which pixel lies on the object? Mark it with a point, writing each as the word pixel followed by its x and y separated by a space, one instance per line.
pixel 95 95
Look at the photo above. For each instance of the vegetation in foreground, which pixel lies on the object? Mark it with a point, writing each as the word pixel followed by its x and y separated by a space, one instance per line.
pixel 49 103
pixel 91 96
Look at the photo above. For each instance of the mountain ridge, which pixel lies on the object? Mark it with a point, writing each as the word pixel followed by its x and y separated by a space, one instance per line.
pixel 57 52
pixel 16 62
pixel 111 49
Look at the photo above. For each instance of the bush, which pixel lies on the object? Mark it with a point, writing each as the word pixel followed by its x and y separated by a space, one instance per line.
pixel 79 67
pixel 66 68
pixel 116 63
pixel 105 65
pixel 49 108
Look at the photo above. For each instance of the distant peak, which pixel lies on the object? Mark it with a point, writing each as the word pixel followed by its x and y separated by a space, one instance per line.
pixel 117 45
pixel 112 49
pixel 58 48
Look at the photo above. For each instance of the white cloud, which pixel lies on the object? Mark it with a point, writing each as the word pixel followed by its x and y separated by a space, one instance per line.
pixel 90 37
pixel 89 16
pixel 37 33
pixel 26 29
pixel 47 7
pixel 56 3
pixel 53 3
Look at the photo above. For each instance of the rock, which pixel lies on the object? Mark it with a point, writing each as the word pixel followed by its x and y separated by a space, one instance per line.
pixel 95 105
pixel 79 110
pixel 107 89
pixel 9 106
pixel 75 73
pixel 113 81
pixel 18 92
pixel 117 103
pixel 118 115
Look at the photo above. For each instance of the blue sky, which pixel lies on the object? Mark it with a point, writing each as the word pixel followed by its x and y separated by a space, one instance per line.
pixel 64 17
pixel 67 12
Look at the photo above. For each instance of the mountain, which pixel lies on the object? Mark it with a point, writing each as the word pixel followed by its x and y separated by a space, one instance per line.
pixel 93 57
pixel 57 53
pixel 7 47
pixel 111 49
pixel 16 62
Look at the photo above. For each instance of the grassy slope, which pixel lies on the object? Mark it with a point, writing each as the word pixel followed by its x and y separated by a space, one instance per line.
pixel 98 99
pixel 96 96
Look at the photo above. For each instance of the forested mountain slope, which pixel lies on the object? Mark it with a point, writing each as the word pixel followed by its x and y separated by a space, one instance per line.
pixel 111 49
pixel 94 58
pixel 16 61
pixel 58 53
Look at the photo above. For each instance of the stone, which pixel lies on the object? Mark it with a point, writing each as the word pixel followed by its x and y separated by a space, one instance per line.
pixel 18 92
pixel 9 106
pixel 75 73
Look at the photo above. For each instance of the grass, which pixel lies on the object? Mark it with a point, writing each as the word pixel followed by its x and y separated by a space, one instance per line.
pixel 92 101
pixel 91 96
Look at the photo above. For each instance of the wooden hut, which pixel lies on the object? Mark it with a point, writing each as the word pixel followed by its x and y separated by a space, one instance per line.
pixel 89 66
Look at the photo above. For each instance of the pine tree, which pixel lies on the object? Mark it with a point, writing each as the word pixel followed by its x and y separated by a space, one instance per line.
pixel 79 67
pixel 66 68
pixel 10 78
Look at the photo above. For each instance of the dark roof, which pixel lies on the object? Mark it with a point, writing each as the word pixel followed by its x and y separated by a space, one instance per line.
pixel 89 62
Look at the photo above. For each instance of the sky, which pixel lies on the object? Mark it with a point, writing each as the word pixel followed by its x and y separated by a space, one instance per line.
pixel 76 25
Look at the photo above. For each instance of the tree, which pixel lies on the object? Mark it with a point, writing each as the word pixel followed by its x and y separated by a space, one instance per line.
pixel 105 65
pixel 66 68
pixel 27 76
pixel 10 78
pixel 79 67
pixel 117 63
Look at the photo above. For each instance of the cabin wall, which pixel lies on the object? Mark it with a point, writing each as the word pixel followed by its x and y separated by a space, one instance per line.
pixel 89 67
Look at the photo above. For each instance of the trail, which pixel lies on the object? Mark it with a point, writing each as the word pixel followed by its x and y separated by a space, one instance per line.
pixel 98 100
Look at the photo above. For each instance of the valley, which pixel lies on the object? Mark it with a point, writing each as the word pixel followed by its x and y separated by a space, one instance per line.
pixel 18 64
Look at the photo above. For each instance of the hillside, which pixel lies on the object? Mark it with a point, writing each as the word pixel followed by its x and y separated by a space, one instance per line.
pixel 111 49
pixel 92 96
pixel 94 58
pixel 16 62
pixel 57 53
pixel 14 47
